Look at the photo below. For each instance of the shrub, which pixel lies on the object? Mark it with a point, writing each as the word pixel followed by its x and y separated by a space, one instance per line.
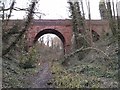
pixel 29 59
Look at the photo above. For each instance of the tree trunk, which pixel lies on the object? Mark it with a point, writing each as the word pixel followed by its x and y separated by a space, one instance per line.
pixel 78 29
pixel 110 17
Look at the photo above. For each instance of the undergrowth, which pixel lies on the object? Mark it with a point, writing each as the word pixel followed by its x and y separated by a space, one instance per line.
pixel 94 71
pixel 65 78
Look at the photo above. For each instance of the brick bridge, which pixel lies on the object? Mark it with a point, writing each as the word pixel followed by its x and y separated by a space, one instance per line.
pixel 63 29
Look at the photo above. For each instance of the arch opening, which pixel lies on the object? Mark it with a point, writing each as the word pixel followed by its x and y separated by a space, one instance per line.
pixel 50 31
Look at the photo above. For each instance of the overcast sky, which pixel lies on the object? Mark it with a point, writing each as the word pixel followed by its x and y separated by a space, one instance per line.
pixel 55 9
pixel 60 8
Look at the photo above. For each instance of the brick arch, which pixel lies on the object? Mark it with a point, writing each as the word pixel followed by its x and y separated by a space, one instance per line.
pixel 64 27
pixel 50 31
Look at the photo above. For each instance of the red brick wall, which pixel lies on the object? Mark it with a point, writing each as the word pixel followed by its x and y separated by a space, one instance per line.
pixel 62 26
pixel 65 28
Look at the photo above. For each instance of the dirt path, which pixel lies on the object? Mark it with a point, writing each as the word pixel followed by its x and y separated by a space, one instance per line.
pixel 41 79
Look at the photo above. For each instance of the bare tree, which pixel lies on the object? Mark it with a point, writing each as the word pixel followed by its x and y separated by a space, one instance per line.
pixel 103 10
pixel 118 16
pixel 79 31
pixel 22 32
pixel 89 25
pixel 110 17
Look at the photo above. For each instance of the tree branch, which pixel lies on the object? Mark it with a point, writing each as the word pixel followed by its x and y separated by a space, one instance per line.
pixel 27 23
pixel 84 49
